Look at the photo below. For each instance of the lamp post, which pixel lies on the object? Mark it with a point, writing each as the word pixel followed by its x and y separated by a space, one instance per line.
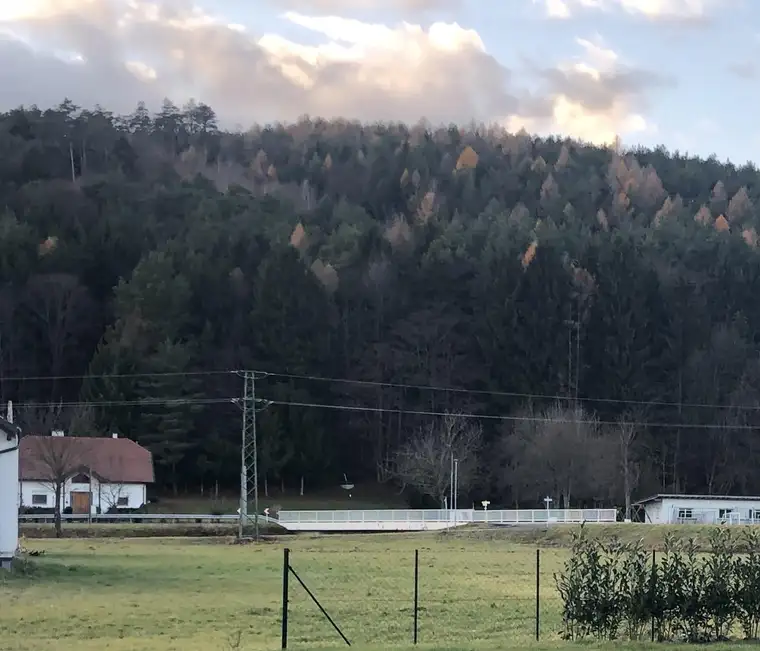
pixel 454 489
pixel 450 504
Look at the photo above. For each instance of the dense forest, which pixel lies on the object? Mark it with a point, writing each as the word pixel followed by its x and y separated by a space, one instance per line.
pixel 565 319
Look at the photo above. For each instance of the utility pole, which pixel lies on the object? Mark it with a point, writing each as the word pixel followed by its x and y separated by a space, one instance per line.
pixel 569 323
pixel 456 487
pixel 249 462
pixel 577 351
pixel 451 486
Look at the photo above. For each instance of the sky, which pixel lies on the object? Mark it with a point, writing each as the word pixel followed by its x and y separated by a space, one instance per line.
pixel 681 73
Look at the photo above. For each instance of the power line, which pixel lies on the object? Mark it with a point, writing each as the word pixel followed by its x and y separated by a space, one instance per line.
pixel 508 394
pixel 371 383
pixel 146 402
pixel 108 376
pixel 169 402
pixel 535 419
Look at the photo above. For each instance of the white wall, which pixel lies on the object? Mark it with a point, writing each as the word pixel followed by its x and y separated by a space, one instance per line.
pixel 104 496
pixel 8 514
pixel 653 513
pixel 703 511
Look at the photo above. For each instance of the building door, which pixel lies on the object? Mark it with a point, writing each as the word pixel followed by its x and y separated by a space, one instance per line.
pixel 80 502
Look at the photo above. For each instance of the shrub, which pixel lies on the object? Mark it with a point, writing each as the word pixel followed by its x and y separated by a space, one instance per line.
pixel 589 589
pixel 636 584
pixel 619 589
pixel 747 587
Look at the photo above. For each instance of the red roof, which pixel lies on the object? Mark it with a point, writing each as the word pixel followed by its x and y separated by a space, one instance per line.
pixel 116 461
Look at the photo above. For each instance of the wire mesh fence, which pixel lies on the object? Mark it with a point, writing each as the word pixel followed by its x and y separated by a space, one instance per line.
pixel 433 594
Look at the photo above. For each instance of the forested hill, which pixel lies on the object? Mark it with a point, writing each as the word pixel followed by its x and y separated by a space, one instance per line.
pixel 523 272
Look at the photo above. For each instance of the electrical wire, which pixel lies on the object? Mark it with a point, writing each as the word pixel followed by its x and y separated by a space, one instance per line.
pixel 146 402
pixel 507 394
pixel 510 418
pixel 170 402
pixel 108 376
pixel 368 383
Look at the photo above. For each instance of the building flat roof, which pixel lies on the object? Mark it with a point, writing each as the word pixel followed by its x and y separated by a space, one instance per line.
pixel 674 496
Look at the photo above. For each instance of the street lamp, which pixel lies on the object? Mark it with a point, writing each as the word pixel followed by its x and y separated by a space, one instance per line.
pixel 456 486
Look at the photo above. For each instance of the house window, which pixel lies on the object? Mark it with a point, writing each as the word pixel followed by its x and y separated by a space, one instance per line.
pixel 754 514
pixel 685 514
pixel 122 501
pixel 724 513
pixel 39 499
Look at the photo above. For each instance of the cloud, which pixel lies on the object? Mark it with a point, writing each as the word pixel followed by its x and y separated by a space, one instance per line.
pixel 596 97
pixel 345 7
pixel 687 11
pixel 747 70
pixel 98 51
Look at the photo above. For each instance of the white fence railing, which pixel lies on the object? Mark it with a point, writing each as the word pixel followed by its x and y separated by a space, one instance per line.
pixel 356 517
pixel 148 518
pixel 460 516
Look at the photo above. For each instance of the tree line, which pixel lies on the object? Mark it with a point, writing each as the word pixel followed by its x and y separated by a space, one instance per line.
pixel 569 320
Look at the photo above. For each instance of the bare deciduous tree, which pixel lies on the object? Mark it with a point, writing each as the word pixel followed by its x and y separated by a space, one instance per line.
pixel 626 432
pixel 424 462
pixel 110 494
pixel 110 488
pixel 56 458
pixel 557 452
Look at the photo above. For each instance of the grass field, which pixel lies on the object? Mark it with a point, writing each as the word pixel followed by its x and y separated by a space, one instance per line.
pixel 477 591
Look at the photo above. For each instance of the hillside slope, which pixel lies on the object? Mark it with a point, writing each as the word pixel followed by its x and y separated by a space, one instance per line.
pixel 596 308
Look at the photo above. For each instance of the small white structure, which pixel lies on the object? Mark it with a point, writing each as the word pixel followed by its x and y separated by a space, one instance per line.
pixel 97 475
pixel 9 454
pixel 700 509
pixel 388 520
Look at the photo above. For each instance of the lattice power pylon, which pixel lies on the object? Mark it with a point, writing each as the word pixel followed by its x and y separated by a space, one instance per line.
pixel 249 466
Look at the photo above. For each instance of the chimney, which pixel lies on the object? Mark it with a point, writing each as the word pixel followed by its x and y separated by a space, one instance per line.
pixel 114 435
pixel 56 432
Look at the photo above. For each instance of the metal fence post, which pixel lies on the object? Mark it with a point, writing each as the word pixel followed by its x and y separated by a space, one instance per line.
pixel 416 590
pixel 538 594
pixel 285 574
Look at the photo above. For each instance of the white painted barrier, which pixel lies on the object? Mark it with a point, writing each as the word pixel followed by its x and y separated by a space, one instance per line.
pixel 430 520
pixel 365 520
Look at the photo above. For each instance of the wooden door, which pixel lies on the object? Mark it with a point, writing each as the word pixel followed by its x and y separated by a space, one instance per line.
pixel 80 502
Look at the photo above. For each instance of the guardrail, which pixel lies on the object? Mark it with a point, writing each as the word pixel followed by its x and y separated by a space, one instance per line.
pixel 381 519
pixel 447 516
pixel 152 518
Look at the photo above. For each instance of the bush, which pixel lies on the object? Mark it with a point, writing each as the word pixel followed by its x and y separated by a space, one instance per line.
pixel 36 510
pixel 124 510
pixel 613 589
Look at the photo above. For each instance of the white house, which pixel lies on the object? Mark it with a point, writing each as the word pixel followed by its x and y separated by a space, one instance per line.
pixel 700 509
pixel 9 444
pixel 101 474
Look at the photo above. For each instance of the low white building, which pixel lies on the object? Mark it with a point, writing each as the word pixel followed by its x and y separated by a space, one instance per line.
pixel 9 444
pixel 96 475
pixel 700 509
